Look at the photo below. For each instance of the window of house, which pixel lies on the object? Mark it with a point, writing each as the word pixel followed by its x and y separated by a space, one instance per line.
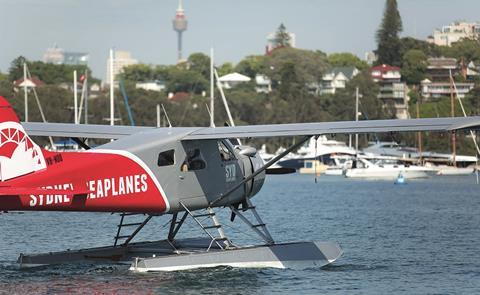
pixel 225 153
pixel 166 158
pixel 193 161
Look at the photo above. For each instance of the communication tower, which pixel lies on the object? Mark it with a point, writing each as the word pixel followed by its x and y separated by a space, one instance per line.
pixel 179 25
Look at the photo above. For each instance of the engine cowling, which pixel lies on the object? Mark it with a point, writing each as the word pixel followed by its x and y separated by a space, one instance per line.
pixel 252 162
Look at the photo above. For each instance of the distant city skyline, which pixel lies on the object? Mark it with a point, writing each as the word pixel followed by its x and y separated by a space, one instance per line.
pixel 234 29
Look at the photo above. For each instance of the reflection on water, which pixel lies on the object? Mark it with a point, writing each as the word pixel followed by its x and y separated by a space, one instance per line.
pixel 419 238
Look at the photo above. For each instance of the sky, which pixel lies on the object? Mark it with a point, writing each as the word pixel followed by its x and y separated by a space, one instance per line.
pixel 233 28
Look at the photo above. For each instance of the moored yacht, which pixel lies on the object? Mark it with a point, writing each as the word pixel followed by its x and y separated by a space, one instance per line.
pixel 384 170
pixel 438 160
pixel 321 149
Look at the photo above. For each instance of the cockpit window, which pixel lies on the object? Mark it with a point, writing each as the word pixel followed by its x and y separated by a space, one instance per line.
pixel 225 153
pixel 166 158
pixel 193 161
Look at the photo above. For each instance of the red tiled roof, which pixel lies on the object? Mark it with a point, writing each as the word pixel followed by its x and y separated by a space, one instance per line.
pixel 34 80
pixel 385 68
pixel 180 96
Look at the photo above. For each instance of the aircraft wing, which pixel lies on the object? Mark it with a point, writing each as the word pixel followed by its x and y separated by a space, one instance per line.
pixel 342 127
pixel 251 131
pixel 80 130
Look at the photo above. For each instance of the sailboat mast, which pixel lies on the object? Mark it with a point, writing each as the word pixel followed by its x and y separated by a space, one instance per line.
pixel 85 86
pixel 25 90
pixel 419 135
pixel 356 117
pixel 75 97
pixel 452 110
pixel 112 117
pixel 212 105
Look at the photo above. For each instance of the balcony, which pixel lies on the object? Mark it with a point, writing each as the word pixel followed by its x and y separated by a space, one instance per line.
pixel 391 96
pixel 391 75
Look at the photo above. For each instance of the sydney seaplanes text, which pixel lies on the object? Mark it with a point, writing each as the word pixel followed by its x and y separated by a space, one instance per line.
pixel 99 188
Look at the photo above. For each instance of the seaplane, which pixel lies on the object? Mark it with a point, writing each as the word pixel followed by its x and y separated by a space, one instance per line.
pixel 178 172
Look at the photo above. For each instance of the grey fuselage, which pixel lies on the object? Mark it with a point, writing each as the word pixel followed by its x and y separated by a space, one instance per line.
pixel 195 187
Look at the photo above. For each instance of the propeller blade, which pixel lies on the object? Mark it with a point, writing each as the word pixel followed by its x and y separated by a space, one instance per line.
pixel 280 170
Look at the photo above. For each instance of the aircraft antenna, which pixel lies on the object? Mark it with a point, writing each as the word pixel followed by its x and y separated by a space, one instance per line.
pixel 166 116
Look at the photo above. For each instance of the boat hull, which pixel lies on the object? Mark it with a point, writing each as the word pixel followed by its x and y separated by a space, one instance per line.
pixel 455 171
pixel 384 173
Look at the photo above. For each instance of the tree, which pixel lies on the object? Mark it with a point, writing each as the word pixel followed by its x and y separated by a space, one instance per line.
pixel 387 35
pixel 343 102
pixel 16 68
pixel 414 66
pixel 472 101
pixel 465 49
pixel 47 72
pixel 138 73
pixel 6 89
pixel 181 80
pixel 3 77
pixel 282 38
pixel 346 59
pixel 225 68
pixel 309 65
pixel 429 49
pixel 251 65
pixel 200 63
pixel 291 84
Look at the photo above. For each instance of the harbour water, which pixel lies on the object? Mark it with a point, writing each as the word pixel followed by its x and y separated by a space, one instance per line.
pixel 422 237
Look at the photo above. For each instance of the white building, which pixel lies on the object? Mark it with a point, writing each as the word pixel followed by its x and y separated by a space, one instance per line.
pixel 370 57
pixel 393 91
pixel 442 89
pixel 121 59
pixel 454 33
pixel 151 85
pixel 233 79
pixel 263 84
pixel 54 55
pixel 337 78
pixel 58 56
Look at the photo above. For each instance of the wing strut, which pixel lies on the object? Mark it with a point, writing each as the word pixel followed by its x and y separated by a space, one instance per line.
pixel 263 168
pixel 81 143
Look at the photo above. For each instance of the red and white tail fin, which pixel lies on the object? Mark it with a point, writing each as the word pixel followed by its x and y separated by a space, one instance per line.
pixel 19 155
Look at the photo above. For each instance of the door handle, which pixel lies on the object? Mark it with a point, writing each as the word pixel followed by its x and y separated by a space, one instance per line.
pixel 181 177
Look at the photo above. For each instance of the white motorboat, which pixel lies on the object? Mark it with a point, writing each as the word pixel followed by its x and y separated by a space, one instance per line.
pixel 321 149
pixel 384 170
pixel 450 170
pixel 339 164
pixel 387 148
